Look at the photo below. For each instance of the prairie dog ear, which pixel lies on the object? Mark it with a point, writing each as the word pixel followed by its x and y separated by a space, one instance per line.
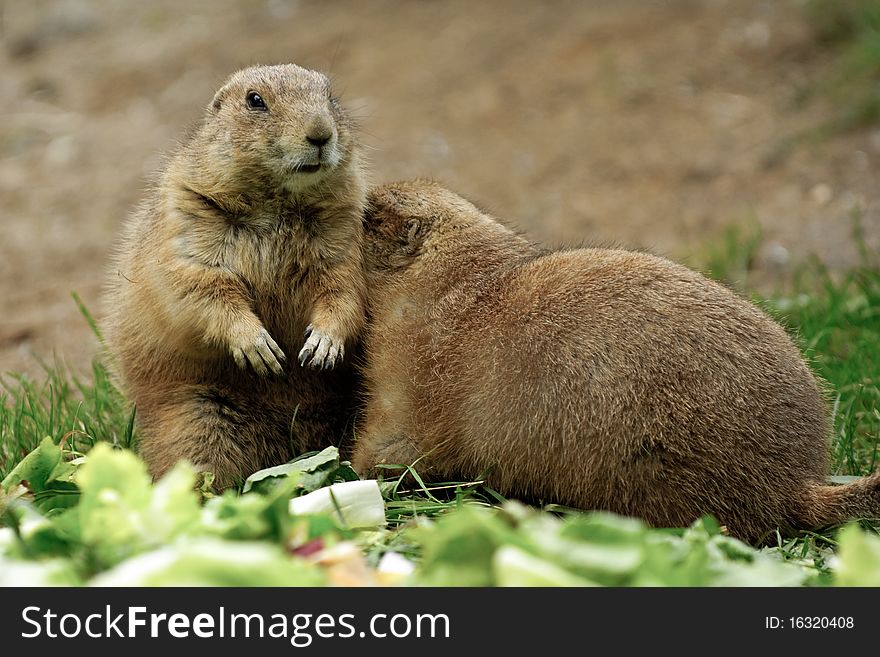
pixel 219 99
pixel 413 229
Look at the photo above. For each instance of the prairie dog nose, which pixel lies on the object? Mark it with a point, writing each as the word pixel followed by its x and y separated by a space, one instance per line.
pixel 319 132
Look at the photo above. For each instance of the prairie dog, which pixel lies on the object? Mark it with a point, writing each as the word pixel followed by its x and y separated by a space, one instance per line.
pixel 244 259
pixel 594 378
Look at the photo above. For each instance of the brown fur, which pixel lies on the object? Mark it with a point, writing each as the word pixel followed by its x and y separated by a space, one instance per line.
pixel 221 271
pixel 599 379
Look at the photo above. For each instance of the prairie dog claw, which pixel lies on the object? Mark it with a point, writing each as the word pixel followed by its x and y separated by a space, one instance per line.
pixel 320 350
pixel 263 354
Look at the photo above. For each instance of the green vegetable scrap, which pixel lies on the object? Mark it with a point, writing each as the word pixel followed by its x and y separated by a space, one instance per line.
pixel 99 520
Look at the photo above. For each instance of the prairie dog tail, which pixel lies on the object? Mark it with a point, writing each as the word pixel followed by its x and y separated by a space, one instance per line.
pixel 829 505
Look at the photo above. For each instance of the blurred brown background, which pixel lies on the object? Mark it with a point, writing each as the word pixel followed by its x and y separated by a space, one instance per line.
pixel 642 123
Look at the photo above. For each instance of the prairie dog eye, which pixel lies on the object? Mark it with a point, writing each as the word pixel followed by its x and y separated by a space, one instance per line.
pixel 255 101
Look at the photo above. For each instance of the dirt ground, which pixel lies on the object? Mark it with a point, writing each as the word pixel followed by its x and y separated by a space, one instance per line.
pixel 642 123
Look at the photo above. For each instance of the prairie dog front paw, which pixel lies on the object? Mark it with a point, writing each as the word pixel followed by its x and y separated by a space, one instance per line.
pixel 321 351
pixel 261 351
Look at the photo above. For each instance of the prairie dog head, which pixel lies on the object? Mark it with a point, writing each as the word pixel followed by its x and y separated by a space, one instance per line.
pixel 421 228
pixel 408 219
pixel 280 124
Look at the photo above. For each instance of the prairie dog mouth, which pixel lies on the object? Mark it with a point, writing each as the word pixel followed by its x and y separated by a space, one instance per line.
pixel 307 168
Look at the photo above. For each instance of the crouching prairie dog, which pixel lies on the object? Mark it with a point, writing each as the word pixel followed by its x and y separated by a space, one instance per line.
pixel 238 286
pixel 594 378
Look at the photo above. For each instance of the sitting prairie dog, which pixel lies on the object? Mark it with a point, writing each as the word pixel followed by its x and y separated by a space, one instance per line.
pixel 245 259
pixel 593 378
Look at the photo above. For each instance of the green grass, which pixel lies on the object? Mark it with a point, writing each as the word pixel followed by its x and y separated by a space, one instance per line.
pixel 840 332
pixel 65 407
